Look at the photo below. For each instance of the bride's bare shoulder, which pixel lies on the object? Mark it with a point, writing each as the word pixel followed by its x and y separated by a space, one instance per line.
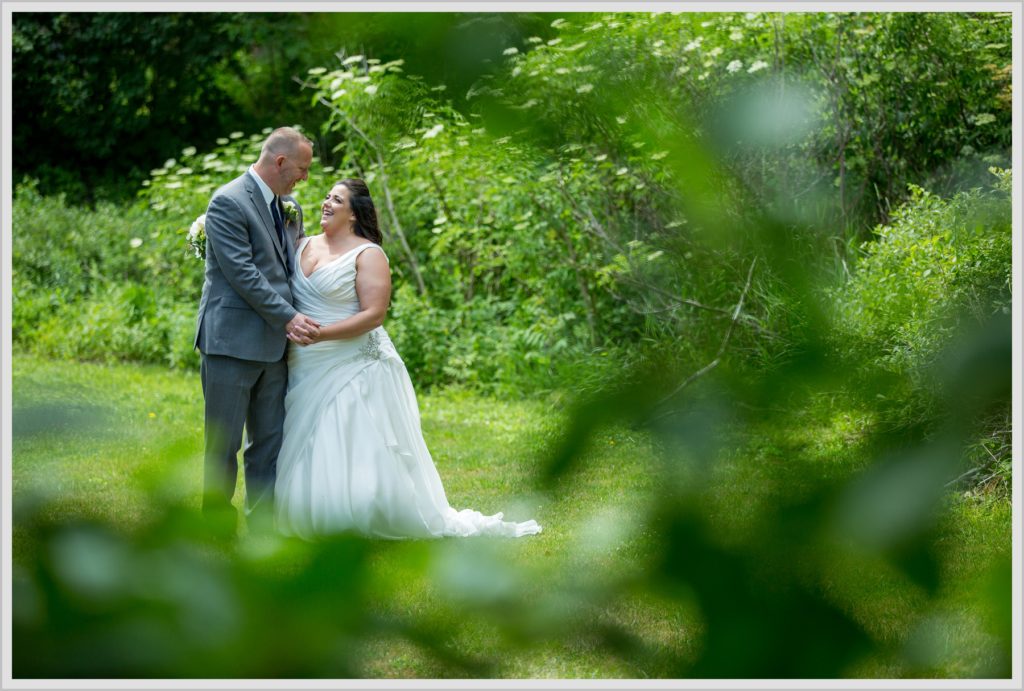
pixel 375 257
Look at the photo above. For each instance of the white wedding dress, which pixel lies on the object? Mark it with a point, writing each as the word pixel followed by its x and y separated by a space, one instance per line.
pixel 353 457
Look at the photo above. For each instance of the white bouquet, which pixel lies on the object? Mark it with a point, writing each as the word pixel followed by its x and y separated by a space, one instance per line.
pixel 196 237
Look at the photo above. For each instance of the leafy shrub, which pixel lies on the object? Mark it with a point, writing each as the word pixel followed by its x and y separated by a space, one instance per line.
pixel 109 283
pixel 940 267
pixel 120 321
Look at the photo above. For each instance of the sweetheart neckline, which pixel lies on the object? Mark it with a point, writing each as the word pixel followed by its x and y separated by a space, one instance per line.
pixel 302 248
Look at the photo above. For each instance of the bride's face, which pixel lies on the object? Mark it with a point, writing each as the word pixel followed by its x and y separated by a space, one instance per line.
pixel 336 212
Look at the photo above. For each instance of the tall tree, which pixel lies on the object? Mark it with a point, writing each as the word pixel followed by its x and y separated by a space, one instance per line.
pixel 98 96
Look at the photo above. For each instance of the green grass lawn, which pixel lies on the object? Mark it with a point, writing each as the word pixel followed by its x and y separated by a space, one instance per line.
pixel 117 444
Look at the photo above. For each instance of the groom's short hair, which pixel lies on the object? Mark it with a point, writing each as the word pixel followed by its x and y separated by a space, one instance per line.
pixel 284 140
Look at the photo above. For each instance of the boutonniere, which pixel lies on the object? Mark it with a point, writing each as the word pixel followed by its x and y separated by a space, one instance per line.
pixel 291 212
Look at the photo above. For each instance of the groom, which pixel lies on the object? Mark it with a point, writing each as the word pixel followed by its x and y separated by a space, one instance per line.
pixel 244 313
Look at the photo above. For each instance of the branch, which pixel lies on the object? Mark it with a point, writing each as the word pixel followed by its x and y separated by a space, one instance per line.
pixel 721 348
pixel 628 278
pixel 581 281
pixel 586 215
pixel 970 472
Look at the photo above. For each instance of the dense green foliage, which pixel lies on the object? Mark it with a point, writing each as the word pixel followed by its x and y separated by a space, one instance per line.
pixel 942 267
pixel 100 284
pixel 106 92
pixel 768 246
pixel 599 191
pixel 111 93
pixel 824 117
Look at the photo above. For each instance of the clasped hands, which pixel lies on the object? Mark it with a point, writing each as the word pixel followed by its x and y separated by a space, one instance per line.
pixel 302 330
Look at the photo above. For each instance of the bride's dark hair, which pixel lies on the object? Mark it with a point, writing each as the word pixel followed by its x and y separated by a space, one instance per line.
pixel 362 205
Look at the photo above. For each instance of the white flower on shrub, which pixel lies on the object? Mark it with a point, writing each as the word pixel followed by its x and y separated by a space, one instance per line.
pixel 735 66
pixel 757 66
pixel 135 242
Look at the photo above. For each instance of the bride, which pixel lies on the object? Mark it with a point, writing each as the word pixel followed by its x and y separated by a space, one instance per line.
pixel 353 457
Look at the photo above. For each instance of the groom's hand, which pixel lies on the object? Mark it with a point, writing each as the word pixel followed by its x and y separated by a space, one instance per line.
pixel 302 330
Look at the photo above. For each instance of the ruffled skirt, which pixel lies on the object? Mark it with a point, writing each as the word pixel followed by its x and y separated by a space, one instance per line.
pixel 354 458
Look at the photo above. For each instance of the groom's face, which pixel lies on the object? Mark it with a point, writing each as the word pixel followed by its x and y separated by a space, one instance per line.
pixel 294 167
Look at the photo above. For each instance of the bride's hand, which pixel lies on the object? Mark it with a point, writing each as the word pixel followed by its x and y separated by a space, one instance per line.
pixel 303 330
pixel 304 340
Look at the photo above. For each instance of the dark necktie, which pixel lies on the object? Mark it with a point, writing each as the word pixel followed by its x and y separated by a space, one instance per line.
pixel 279 224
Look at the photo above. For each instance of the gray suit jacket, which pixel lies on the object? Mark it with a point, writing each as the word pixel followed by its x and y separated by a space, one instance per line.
pixel 246 300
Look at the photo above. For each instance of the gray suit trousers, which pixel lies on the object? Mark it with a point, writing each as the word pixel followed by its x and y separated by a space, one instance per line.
pixel 250 394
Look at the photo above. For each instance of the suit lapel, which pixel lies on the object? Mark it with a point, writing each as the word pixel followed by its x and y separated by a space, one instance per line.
pixel 268 222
